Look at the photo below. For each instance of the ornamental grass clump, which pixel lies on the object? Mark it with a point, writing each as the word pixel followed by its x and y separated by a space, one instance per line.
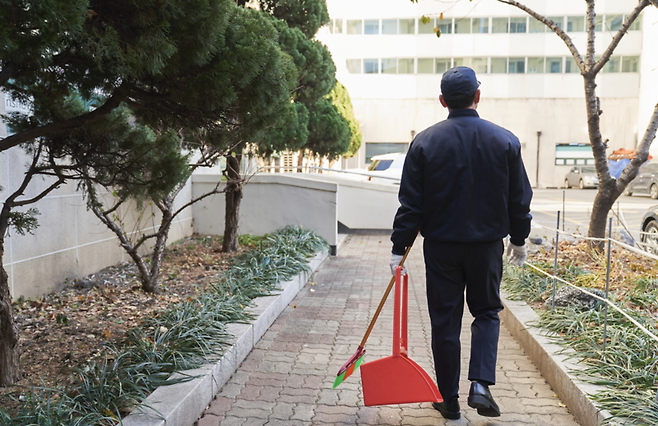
pixel 182 337
pixel 629 366
pixel 280 257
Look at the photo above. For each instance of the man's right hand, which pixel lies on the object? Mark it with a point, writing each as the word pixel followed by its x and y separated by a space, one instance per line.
pixel 395 262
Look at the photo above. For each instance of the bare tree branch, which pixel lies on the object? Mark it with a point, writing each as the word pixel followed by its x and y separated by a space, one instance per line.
pixel 43 193
pixel 591 34
pixel 216 190
pixel 553 26
pixel 11 200
pixel 642 153
pixel 28 135
pixel 620 34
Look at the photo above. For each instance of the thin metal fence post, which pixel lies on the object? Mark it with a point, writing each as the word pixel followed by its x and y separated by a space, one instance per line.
pixel 607 286
pixel 564 208
pixel 557 247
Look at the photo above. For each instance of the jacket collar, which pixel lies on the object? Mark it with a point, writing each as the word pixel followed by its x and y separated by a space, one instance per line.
pixel 465 112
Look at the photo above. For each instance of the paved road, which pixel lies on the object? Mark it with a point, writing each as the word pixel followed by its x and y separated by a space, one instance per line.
pixel 577 207
pixel 287 379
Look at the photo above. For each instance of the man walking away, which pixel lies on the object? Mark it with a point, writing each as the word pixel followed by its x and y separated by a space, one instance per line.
pixel 465 187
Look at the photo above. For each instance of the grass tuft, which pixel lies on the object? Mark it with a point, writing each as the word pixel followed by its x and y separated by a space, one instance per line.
pixel 183 337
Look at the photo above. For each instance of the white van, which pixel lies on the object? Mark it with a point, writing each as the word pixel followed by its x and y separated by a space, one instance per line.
pixel 386 166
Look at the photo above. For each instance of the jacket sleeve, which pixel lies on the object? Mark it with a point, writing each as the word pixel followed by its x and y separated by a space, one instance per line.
pixel 410 213
pixel 520 196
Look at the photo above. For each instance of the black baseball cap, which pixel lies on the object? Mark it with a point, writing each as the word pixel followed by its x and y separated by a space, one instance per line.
pixel 458 83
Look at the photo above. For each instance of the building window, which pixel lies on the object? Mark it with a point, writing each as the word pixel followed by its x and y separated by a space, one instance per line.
pixel 427 28
pixel 598 23
pixel 407 26
pixel 445 25
pixel 480 65
pixel 554 65
pixel 389 26
pixel 574 154
pixel 425 66
pixel 613 65
pixel 516 65
pixel 559 21
pixel 535 65
pixel 636 25
pixel 371 66
pixel 373 149
pixel 441 65
pixel 371 26
pixel 630 64
pixel 517 25
pixel 576 24
pixel 537 26
pixel 462 26
pixel 571 66
pixel 486 65
pixel 498 65
pixel 354 26
pixel 499 25
pixel 614 22
pixel 480 25
pixel 353 66
pixel 336 26
pixel 406 66
pixel 389 66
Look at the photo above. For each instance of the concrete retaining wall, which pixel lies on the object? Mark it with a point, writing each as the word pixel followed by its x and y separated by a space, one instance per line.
pixel 182 404
pixel 70 241
pixel 270 202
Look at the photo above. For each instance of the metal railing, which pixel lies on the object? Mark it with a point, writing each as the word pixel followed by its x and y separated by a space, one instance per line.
pixel 609 240
pixel 309 169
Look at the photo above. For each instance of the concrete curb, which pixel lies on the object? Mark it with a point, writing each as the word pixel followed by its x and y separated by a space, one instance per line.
pixel 552 361
pixel 182 404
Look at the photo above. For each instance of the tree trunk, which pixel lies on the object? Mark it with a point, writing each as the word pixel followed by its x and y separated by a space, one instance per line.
pixel 10 369
pixel 233 197
pixel 150 284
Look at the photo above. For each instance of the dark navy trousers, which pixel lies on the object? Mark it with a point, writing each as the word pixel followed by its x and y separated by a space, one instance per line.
pixel 450 269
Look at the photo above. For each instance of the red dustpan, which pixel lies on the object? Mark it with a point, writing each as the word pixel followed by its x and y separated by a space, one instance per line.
pixel 397 379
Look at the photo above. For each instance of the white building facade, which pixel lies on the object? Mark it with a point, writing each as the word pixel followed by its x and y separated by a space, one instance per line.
pixel 391 62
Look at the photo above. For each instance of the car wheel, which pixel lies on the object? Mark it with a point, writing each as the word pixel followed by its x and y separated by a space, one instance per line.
pixel 653 191
pixel 627 191
pixel 650 238
pixel 581 184
pixel 566 183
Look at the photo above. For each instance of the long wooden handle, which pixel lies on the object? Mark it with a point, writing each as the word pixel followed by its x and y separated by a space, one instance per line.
pixel 383 301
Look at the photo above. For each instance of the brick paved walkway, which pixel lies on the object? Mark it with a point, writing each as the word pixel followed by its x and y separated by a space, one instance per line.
pixel 287 379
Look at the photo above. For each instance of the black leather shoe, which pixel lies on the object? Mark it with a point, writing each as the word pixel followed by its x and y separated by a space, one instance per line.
pixel 449 410
pixel 480 398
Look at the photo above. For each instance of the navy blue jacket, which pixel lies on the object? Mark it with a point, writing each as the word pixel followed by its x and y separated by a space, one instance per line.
pixel 463 181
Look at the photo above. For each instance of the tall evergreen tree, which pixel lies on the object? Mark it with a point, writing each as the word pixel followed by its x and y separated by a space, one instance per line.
pixel 340 98
pixel 175 64
pixel 307 15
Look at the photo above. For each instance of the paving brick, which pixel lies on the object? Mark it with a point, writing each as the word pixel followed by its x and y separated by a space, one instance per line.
pixel 288 378
pixel 209 420
pixel 282 411
pixel 219 406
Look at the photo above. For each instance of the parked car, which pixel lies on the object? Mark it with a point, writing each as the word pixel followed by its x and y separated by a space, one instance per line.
pixel 646 181
pixel 649 230
pixel 581 176
pixel 386 166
